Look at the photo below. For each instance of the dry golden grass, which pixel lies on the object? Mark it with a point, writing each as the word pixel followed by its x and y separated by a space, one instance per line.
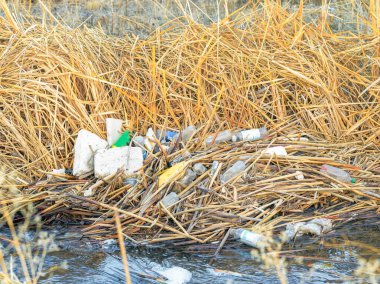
pixel 267 67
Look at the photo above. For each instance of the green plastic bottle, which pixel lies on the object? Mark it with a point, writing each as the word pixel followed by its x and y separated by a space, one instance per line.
pixel 124 140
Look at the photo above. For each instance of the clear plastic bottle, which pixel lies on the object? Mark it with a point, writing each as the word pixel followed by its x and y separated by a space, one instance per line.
pixel 223 136
pixel 187 133
pixel 233 171
pixel 214 167
pixel 199 169
pixel 170 199
pixel 188 178
pixel 250 135
pixel 249 238
pixel 337 173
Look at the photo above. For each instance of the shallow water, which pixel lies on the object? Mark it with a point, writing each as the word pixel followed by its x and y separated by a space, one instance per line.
pixel 333 259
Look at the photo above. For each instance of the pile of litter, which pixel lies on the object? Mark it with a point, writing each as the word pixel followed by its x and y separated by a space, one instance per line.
pixel 164 189
pixel 315 91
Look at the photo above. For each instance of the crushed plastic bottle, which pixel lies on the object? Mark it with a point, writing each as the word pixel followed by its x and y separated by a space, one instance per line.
pixel 250 135
pixel 170 199
pixel 223 136
pixel 249 238
pixel 233 171
pixel 188 178
pixel 199 169
pixel 187 133
pixel 337 173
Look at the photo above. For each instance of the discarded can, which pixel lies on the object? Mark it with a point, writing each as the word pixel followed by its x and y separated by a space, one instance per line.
pixel 124 140
pixel 337 173
pixel 233 171
pixel 250 135
pixel 249 238
pixel 223 136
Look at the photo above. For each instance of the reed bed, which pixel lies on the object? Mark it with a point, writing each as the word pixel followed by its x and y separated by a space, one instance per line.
pixel 267 67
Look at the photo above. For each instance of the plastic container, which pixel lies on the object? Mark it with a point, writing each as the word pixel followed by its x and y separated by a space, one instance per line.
pixel 170 199
pixel 124 140
pixel 223 136
pixel 250 135
pixel 199 169
pixel 337 173
pixel 249 238
pixel 233 171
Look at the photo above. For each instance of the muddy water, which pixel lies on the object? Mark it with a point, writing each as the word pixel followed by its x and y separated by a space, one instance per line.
pixel 331 260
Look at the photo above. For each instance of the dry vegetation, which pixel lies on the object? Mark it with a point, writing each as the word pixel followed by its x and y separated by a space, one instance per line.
pixel 267 67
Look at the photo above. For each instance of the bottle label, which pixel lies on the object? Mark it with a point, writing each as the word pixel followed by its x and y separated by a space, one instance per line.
pixel 251 135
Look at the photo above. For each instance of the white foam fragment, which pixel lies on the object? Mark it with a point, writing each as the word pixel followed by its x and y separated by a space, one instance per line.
pixel 54 172
pixel 325 223
pixel 109 161
pixel 299 175
pixel 86 145
pixel 277 150
pixel 113 127
pixel 150 136
pixel 315 227
pixel 175 274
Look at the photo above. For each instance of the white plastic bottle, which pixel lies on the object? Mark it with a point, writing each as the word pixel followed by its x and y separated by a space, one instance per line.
pixel 250 135
pixel 337 173
pixel 249 238
pixel 233 171
pixel 223 136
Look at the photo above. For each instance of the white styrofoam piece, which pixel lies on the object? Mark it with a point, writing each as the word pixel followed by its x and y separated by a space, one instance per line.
pixel 113 127
pixel 54 172
pixel 149 144
pixel 174 274
pixel 85 146
pixel 109 161
pixel 277 150
pixel 299 175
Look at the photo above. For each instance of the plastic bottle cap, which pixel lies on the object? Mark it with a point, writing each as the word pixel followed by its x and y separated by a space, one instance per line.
pixel 353 180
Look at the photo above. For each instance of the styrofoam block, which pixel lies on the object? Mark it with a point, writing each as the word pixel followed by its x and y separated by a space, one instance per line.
pixel 113 126
pixel 277 150
pixel 109 161
pixel 85 146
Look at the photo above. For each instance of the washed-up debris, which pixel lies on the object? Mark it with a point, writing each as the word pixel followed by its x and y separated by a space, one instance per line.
pixel 233 171
pixel 113 127
pixel 337 173
pixel 149 140
pixel 57 174
pixel 316 227
pixel 109 161
pixel 166 135
pixel 250 135
pixel 277 151
pixel 131 181
pixel 170 199
pixel 124 140
pixel 250 238
pixel 186 133
pixel 199 169
pixel 214 167
pixel 171 174
pixel 174 275
pixel 86 145
pixel 221 137
pixel 188 178
pixel 299 175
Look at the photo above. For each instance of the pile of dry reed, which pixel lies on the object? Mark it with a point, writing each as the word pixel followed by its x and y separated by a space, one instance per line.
pixel 265 68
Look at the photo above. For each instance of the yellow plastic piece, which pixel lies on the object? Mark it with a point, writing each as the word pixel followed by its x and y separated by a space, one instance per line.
pixel 175 172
